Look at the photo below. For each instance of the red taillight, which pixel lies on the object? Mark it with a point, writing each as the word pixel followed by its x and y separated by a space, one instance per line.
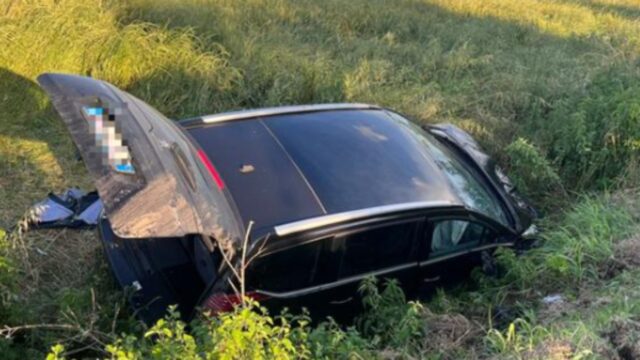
pixel 219 303
pixel 212 170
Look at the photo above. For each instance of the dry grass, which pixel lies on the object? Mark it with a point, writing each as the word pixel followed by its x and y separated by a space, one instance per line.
pixel 444 333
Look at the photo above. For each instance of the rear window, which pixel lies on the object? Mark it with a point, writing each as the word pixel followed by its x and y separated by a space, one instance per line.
pixel 285 270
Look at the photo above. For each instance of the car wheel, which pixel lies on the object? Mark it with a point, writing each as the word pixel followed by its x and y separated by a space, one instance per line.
pixel 489 265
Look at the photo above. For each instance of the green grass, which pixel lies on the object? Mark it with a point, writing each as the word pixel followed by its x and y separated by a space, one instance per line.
pixel 549 87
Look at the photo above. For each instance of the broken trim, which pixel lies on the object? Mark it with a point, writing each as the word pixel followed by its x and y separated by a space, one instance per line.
pixel 320 221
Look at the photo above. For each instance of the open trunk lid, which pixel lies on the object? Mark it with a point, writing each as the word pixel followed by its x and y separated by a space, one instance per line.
pixel 152 179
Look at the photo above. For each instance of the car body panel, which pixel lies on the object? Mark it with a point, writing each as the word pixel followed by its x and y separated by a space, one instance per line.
pixel 165 192
pixel 155 273
pixel 336 274
pixel 339 297
pixel 266 185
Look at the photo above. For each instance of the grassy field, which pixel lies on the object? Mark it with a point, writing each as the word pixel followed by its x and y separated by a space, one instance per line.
pixel 551 88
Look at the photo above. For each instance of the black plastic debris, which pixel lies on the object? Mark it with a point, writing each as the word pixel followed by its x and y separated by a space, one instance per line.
pixel 72 209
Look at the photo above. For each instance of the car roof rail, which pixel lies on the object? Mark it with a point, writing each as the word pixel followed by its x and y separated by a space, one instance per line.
pixel 272 111
pixel 330 219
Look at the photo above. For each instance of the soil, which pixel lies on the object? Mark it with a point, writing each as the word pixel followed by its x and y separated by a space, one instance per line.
pixel 626 255
pixel 445 332
pixel 551 350
pixel 624 337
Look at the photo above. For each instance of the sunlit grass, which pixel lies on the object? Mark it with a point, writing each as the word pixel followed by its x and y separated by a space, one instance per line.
pixel 560 18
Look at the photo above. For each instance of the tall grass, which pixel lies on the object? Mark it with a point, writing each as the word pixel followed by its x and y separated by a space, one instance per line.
pixel 575 248
pixel 565 82
pixel 572 264
pixel 500 70
pixel 552 83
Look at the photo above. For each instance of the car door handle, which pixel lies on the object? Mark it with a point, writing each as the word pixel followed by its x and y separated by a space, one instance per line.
pixel 433 279
pixel 338 302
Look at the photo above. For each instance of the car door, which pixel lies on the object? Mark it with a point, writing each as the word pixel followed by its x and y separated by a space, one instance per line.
pixel 451 248
pixel 324 276
pixel 387 251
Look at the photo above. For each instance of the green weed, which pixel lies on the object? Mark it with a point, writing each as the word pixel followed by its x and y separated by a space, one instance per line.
pixel 389 309
pixel 248 332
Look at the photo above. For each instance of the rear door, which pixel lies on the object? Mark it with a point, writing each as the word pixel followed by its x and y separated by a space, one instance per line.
pixel 289 277
pixel 152 179
pixel 387 252
pixel 324 275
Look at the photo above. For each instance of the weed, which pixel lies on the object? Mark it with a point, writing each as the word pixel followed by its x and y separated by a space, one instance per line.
pixel 248 332
pixel 519 337
pixel 389 310
pixel 532 173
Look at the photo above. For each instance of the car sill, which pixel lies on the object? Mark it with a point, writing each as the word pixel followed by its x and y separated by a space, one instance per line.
pixel 313 289
pixel 472 250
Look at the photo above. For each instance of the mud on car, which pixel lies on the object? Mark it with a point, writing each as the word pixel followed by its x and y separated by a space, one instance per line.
pixel 317 196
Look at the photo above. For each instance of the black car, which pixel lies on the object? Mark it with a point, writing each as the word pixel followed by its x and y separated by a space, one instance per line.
pixel 314 198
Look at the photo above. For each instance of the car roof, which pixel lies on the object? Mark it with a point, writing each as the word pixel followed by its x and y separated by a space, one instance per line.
pixel 295 164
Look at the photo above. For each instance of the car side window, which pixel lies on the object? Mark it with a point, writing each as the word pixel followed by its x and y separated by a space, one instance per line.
pixel 452 235
pixel 286 270
pixel 374 249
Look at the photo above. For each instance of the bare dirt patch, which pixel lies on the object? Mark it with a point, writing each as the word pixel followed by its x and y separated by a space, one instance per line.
pixel 628 199
pixel 446 332
pixel 624 336
pixel 626 255
pixel 628 252
pixel 551 350
pixel 552 311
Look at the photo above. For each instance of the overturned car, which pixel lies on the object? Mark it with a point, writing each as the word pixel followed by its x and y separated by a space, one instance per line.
pixel 306 200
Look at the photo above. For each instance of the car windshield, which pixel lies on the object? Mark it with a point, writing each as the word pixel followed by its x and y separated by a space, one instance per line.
pixel 471 190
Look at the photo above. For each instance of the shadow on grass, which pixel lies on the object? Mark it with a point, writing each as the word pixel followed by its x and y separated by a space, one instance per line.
pixel 63 276
pixel 36 155
pixel 483 68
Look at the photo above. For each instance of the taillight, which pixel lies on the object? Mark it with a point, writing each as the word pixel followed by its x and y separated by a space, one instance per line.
pixel 212 169
pixel 219 303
